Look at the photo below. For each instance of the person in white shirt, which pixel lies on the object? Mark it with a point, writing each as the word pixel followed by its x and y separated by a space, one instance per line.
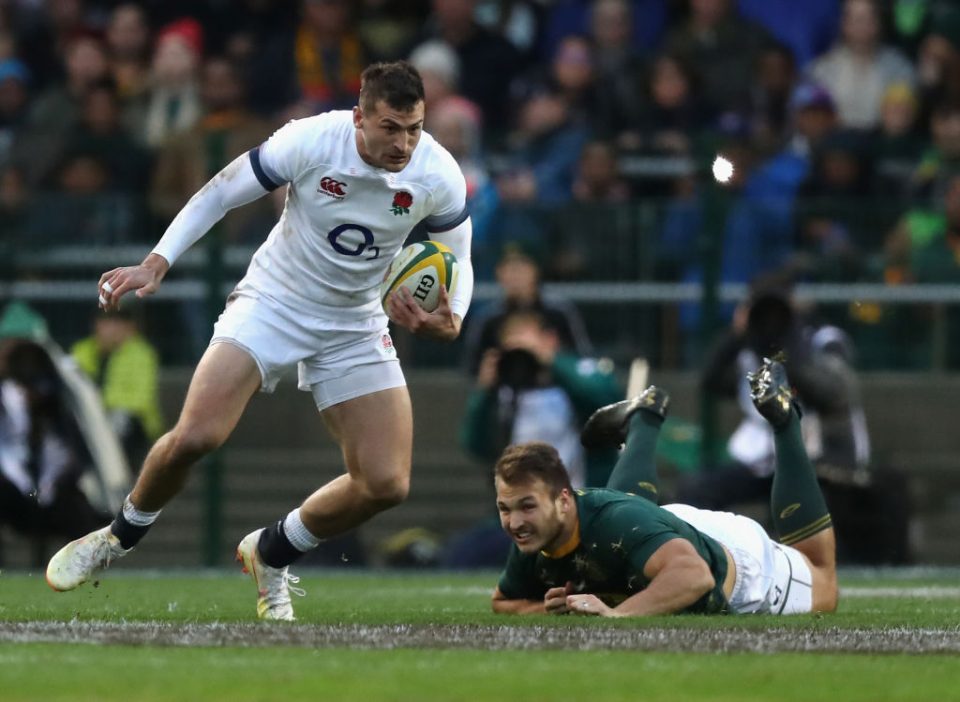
pixel 357 183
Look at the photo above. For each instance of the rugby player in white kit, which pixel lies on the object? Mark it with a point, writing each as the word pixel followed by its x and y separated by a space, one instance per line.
pixel 357 182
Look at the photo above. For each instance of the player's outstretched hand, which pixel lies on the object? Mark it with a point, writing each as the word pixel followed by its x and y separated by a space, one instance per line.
pixel 441 324
pixel 143 279
pixel 588 605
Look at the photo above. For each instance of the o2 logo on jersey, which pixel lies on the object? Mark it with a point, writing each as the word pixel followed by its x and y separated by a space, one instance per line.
pixel 353 249
pixel 333 188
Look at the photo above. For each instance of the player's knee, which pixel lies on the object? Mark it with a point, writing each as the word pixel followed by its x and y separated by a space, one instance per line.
pixel 387 491
pixel 192 443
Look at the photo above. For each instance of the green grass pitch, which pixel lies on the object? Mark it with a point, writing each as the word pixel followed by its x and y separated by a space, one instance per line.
pixel 422 637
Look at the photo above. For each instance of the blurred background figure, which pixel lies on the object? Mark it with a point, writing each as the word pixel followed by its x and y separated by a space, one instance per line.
pixel 125 367
pixel 42 452
pixel 722 47
pixel 530 388
pixel 174 103
pixel 518 278
pixel 859 69
pixel 189 159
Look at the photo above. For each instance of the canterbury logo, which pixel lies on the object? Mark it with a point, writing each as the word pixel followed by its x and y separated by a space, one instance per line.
pixel 331 187
pixel 787 511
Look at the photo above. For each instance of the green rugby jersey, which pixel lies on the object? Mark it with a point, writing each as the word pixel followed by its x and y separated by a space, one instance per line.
pixel 618 534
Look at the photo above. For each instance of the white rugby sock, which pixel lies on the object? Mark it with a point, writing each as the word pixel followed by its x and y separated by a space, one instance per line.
pixel 297 534
pixel 136 517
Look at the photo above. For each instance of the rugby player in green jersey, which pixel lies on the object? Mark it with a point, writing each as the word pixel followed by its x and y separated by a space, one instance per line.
pixel 614 552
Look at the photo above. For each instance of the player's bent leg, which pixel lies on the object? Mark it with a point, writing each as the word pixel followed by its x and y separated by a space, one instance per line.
pixel 368 413
pixel 375 432
pixel 222 384
pixel 636 424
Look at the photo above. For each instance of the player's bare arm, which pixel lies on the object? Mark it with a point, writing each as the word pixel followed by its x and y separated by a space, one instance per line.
pixel 441 324
pixel 678 578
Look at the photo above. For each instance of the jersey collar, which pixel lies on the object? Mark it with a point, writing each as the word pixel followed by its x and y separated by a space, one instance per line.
pixel 569 546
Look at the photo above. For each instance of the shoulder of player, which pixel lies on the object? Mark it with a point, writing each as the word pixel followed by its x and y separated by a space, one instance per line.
pixel 436 164
pixel 324 128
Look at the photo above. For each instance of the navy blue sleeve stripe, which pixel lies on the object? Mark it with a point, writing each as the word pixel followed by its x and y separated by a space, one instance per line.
pixel 265 180
pixel 435 226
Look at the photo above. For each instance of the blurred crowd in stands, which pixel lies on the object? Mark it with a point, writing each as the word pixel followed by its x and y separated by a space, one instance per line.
pixel 568 117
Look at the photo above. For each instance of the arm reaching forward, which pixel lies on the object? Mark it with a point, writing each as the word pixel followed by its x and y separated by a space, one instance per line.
pixel 235 185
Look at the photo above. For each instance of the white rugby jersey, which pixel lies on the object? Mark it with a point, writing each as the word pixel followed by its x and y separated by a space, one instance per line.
pixel 344 220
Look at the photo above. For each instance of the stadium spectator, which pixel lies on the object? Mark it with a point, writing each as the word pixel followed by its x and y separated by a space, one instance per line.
pixel 551 127
pixel 100 132
pixel 174 103
pixel 922 248
pixel 125 367
pixel 389 27
pixel 609 553
pixel 836 225
pixel 722 48
pixel 898 143
pixel 45 33
pixel 768 110
pixel 41 452
pixel 317 63
pixel 518 277
pixel 58 107
pixel 619 69
pixel 128 41
pixel 188 160
pixel 83 205
pixel 673 115
pixel 600 193
pixel 530 388
pixel 942 159
pixel 645 28
pixel 818 360
pixel 859 69
pixel 488 62
pixel 938 69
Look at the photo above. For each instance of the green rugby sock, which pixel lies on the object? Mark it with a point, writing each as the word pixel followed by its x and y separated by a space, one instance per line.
pixel 799 510
pixel 636 469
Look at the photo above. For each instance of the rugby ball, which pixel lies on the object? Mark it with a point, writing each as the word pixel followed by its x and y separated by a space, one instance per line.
pixel 422 268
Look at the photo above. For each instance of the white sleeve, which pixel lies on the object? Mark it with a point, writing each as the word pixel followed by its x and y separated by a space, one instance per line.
pixel 286 154
pixel 449 197
pixel 458 239
pixel 235 185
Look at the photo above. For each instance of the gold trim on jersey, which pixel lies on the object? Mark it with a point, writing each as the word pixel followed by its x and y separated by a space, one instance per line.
pixel 569 547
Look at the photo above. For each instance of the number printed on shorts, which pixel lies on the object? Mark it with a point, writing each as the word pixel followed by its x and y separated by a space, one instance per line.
pixel 364 247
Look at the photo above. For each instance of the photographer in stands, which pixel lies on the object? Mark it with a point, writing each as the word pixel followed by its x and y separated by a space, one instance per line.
pixel 42 453
pixel 528 388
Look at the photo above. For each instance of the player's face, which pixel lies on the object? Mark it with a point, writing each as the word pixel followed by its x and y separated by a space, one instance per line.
pixel 386 137
pixel 532 518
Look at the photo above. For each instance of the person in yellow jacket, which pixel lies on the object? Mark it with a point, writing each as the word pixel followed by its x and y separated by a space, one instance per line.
pixel 125 366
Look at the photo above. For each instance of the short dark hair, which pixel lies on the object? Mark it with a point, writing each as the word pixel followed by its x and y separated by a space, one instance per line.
pixel 397 83
pixel 522 464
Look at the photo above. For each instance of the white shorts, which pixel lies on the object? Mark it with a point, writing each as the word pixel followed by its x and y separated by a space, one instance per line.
pixel 771 578
pixel 334 363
